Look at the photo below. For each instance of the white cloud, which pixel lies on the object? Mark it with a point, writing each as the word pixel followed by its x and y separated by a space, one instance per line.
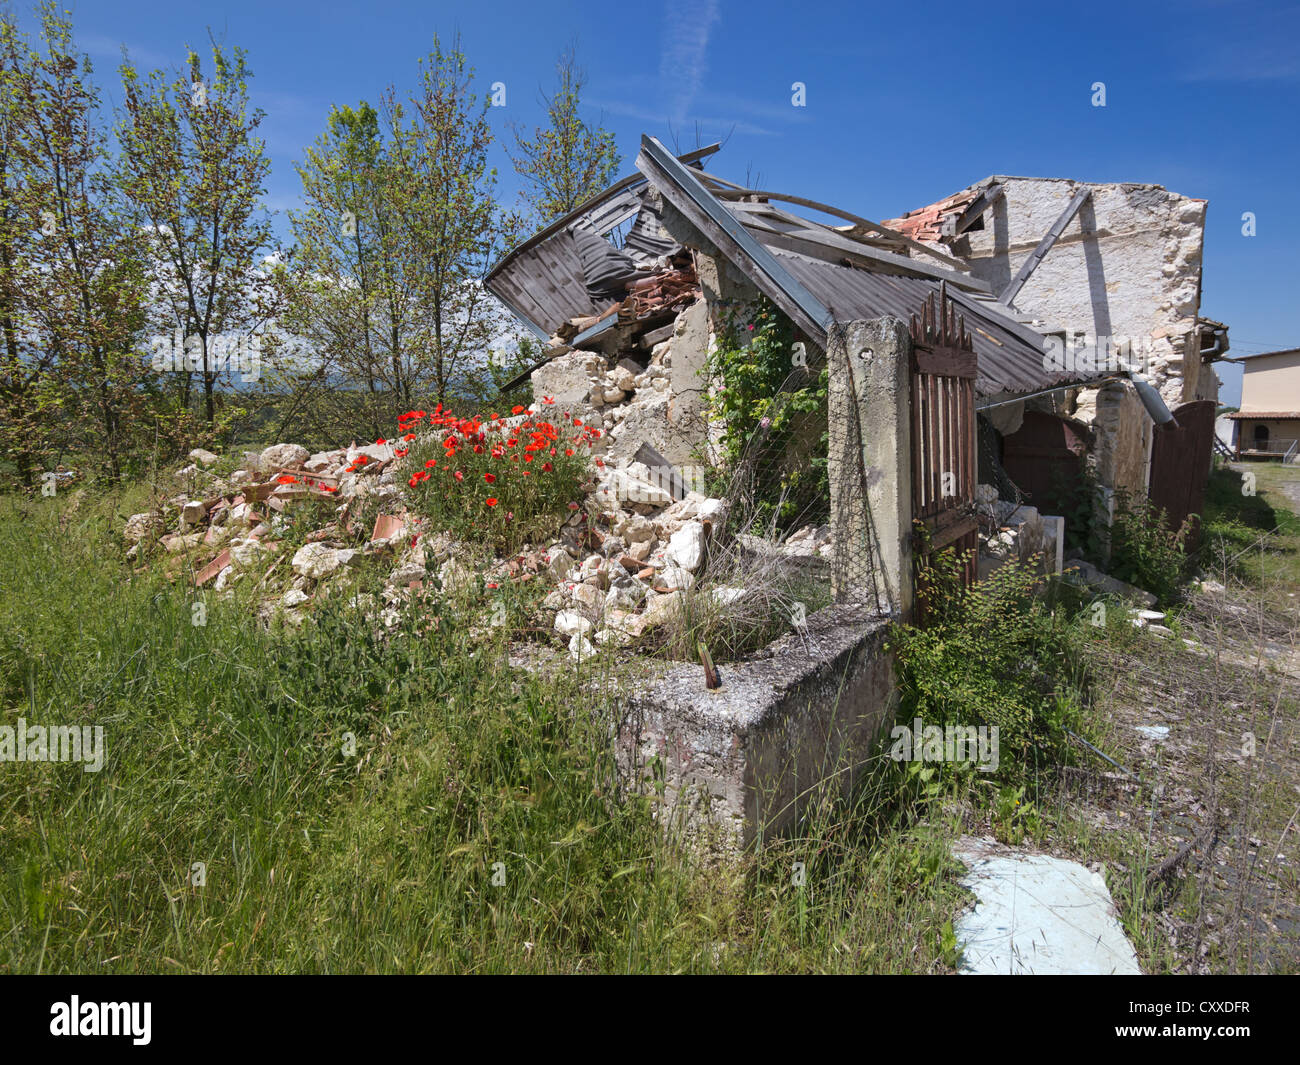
pixel 682 62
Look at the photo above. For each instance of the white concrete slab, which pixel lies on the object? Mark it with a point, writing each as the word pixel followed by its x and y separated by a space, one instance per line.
pixel 1037 914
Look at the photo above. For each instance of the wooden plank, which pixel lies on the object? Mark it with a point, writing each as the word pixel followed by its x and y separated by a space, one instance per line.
pixel 734 191
pixel 977 207
pixel 941 538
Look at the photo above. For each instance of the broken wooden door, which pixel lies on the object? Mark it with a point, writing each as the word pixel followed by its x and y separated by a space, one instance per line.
pixel 943 435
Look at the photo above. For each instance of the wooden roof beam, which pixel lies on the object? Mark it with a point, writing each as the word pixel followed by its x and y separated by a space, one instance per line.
pixel 1044 246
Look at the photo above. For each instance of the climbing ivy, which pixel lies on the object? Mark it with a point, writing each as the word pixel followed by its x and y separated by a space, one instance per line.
pixel 768 400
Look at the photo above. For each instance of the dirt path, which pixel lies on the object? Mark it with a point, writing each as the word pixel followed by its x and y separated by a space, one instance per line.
pixel 1219 798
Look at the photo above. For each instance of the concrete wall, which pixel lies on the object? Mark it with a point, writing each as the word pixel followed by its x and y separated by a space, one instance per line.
pixel 751 757
pixel 1271 382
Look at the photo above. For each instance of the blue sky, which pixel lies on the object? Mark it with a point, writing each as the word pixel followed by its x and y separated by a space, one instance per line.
pixel 905 102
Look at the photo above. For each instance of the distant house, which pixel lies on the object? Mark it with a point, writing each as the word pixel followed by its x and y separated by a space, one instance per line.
pixel 1268 423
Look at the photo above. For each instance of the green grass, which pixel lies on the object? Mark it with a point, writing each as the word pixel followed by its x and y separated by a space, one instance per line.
pixel 1253 537
pixel 225 746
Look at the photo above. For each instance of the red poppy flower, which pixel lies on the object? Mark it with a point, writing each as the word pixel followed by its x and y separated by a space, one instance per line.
pixel 516 409
pixel 491 502
pixel 458 475
pixel 568 451
pixel 550 401
pixel 380 442
pixel 430 464
pixel 286 479
pixel 409 437
pixel 546 467
pixel 489 477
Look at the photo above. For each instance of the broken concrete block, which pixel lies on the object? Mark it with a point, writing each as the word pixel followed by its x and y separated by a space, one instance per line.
pixel 193 512
pixel 247 553
pixel 673 579
pixel 572 623
pixel 580 648
pixel 686 546
pixel 1038 914
pixel 281 455
pixel 559 562
pixel 140 526
pixel 317 560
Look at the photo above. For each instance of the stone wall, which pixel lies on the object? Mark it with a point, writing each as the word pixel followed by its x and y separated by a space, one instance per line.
pixel 1128 265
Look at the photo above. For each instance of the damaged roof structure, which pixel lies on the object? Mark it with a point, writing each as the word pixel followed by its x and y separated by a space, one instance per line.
pixel 817 274
pixel 1081 300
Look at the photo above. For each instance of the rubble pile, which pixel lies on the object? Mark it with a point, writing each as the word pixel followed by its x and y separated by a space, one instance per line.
pixel 1015 532
pixel 620 564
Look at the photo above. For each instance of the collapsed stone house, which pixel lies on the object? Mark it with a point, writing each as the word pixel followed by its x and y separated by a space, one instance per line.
pixel 1082 302
pixel 1114 272
pixel 977 350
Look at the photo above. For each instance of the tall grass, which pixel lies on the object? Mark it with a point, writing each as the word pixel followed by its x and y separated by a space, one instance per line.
pixel 226 746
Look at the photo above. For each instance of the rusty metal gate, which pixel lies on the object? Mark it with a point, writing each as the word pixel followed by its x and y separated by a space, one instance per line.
pixel 1180 464
pixel 943 435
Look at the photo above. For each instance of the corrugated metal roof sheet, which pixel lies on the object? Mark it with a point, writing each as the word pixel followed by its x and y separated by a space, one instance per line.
pixel 1008 361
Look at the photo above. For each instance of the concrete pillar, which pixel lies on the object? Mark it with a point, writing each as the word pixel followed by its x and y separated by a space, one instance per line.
pixel 870 462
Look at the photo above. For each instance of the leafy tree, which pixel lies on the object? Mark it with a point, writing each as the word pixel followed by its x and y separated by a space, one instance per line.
pixel 399 225
pixel 445 192
pixel 348 298
pixel 568 160
pixel 193 169
pixel 71 284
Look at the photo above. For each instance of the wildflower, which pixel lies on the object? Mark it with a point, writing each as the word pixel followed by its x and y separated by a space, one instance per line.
pixel 573 506
pixel 568 451
pixel 489 477
pixel 546 467
pixel 430 464
pixel 490 501
pixel 286 479
pixel 458 475
pixel 549 400
pixel 516 409
pixel 380 442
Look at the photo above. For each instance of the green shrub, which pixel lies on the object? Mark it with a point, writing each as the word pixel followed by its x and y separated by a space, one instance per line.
pixel 1144 550
pixel 766 405
pixel 996 654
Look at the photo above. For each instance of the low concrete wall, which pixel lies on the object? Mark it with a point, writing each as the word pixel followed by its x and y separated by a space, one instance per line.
pixel 748 758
